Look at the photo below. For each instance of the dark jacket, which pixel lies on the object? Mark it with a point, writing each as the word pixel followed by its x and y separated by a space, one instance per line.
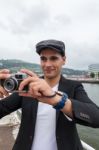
pixel 85 112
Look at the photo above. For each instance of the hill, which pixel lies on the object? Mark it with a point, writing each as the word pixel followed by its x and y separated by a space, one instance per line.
pixel 15 65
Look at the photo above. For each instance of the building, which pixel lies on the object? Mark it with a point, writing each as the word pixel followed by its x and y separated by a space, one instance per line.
pixel 94 68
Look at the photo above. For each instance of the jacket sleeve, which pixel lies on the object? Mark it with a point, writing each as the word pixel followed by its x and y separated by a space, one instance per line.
pixel 84 110
pixel 10 104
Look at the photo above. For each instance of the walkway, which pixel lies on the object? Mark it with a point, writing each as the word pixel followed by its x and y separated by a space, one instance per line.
pixel 8 131
pixel 6 137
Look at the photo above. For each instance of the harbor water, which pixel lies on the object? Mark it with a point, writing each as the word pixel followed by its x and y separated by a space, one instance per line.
pixel 87 134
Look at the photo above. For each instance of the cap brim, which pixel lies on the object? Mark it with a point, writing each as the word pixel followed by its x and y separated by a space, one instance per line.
pixel 39 49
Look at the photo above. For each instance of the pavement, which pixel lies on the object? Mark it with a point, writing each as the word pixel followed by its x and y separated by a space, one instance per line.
pixel 6 138
pixel 9 127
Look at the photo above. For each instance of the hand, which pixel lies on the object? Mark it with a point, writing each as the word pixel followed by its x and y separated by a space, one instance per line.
pixel 38 88
pixel 28 72
pixel 4 73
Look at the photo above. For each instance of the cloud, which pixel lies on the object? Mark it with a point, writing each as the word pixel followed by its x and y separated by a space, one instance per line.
pixel 3 26
pixel 81 56
pixel 63 19
pixel 23 24
pixel 32 19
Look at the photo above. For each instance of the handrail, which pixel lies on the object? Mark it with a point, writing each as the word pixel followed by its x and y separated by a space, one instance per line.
pixel 86 146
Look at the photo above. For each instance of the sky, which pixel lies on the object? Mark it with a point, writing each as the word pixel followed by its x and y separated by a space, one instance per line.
pixel 23 23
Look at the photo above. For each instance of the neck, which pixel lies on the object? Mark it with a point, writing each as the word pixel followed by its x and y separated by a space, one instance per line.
pixel 52 81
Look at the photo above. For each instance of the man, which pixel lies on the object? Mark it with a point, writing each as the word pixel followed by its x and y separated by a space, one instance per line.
pixel 52 106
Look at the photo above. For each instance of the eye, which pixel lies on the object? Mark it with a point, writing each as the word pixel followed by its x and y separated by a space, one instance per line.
pixel 43 58
pixel 54 58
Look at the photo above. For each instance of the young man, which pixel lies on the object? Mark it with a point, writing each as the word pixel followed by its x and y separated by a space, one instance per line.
pixel 52 106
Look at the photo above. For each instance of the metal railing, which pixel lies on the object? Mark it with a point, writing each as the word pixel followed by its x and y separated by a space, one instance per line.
pixel 86 146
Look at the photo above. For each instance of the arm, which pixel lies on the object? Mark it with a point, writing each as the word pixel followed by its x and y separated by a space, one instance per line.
pixel 78 106
pixel 10 104
pixel 85 112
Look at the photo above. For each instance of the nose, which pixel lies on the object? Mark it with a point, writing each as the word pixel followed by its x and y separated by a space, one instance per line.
pixel 48 62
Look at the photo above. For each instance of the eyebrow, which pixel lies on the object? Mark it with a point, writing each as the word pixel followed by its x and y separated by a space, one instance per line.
pixel 52 58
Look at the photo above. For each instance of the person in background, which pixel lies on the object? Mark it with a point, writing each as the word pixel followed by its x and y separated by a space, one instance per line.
pixel 52 106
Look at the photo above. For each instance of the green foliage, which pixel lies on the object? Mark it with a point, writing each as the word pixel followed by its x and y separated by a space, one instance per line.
pixel 98 75
pixel 92 74
pixel 16 65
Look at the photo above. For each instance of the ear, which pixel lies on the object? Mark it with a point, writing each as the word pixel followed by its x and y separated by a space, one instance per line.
pixel 64 60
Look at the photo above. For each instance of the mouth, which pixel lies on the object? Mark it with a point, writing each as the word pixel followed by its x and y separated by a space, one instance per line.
pixel 49 70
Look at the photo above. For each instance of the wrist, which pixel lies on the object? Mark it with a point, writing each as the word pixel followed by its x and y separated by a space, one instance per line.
pixel 52 94
pixel 55 100
pixel 61 103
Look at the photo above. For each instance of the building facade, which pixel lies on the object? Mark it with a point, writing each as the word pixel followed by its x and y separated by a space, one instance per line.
pixel 94 69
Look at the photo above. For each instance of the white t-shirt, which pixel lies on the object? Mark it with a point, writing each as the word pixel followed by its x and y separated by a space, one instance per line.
pixel 44 137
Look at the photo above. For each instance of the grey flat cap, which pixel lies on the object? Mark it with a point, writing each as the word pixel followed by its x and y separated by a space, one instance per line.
pixel 59 46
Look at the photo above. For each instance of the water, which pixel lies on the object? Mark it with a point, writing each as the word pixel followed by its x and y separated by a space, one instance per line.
pixel 87 134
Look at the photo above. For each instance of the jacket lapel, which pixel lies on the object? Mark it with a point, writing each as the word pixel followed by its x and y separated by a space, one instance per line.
pixel 62 87
pixel 34 108
pixel 34 112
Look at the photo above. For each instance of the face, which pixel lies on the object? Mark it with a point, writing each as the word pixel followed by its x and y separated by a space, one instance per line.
pixel 51 63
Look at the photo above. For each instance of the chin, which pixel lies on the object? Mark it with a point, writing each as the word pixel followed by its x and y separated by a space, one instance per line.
pixel 50 76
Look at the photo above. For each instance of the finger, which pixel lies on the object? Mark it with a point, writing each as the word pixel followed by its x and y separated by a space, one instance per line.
pixel 3 91
pixel 6 93
pixel 1 95
pixel 34 89
pixel 35 92
pixel 4 76
pixel 4 71
pixel 25 82
pixel 28 95
pixel 25 94
pixel 28 72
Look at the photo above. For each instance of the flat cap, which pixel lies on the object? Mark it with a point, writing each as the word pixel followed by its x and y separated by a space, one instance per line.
pixel 59 46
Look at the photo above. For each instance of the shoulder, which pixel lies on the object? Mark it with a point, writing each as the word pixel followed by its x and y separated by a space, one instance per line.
pixel 68 85
pixel 69 81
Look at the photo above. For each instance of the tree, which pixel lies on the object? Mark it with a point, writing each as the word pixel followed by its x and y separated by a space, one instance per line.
pixel 92 74
pixel 98 75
